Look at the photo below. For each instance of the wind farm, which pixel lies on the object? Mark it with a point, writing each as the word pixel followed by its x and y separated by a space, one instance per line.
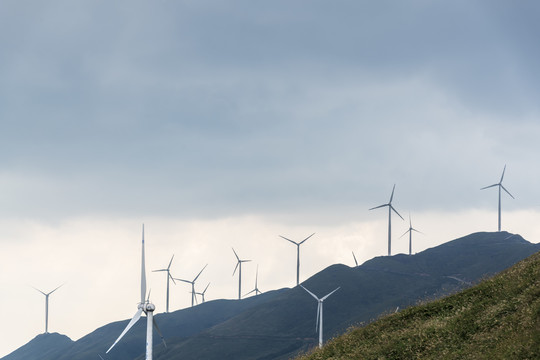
pixel 245 126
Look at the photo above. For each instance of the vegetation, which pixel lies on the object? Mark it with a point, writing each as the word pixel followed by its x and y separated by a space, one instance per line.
pixel 497 319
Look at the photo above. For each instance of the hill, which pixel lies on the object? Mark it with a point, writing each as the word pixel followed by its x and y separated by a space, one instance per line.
pixel 285 325
pixel 280 324
pixel 497 319
pixel 42 346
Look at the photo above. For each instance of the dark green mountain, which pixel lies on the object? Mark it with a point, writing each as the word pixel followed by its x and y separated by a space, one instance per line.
pixel 280 324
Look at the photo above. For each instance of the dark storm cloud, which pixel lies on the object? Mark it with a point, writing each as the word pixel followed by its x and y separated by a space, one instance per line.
pixel 213 107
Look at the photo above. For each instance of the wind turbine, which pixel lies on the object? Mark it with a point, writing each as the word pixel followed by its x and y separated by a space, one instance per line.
pixel 256 290
pixel 239 267
pixel 47 306
pixel 169 277
pixel 202 293
pixel 144 306
pixel 193 285
pixel 297 255
pixel 500 185
pixel 390 208
pixel 319 323
pixel 411 229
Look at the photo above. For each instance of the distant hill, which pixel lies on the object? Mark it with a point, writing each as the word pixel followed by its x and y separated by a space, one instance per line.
pixel 42 346
pixel 281 324
pixel 497 319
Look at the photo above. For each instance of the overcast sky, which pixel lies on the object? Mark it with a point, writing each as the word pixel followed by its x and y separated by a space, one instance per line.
pixel 224 124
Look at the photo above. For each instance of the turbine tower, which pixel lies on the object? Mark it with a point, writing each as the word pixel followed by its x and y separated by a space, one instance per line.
pixel 411 229
pixel 239 267
pixel 193 285
pixel 169 277
pixel 144 306
pixel 256 290
pixel 500 185
pixel 47 307
pixel 390 208
pixel 319 322
pixel 297 255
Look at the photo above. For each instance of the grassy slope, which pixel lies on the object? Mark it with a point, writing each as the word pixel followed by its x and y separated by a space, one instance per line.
pixel 497 319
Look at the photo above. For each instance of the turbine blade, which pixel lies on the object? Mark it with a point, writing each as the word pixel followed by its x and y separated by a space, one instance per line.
pixel 283 237
pixel 135 318
pixel 174 282
pixel 63 284
pixel 159 331
pixel 310 293
pixel 186 281
pixel 170 262
pixel 38 290
pixel 205 288
pixel 235 254
pixel 238 263
pixel 405 233
pixel 391 207
pixel 356 262
pixel 392 196
pixel 200 272
pixel 306 239
pixel 502 176
pixel 380 206
pixel 159 270
pixel 507 192
pixel 143 271
pixel 490 186
pixel 417 231
pixel 325 297
pixel 250 292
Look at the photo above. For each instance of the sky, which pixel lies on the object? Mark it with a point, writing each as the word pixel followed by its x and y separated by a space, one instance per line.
pixel 223 124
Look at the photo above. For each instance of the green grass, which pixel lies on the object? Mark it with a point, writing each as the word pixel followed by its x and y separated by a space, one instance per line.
pixel 497 319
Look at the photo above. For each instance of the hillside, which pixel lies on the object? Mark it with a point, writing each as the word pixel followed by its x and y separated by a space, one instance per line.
pixel 285 325
pixel 41 347
pixel 497 319
pixel 280 324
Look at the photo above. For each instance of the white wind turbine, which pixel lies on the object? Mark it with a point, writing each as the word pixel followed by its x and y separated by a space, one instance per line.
pixel 47 306
pixel 256 290
pixel 297 255
pixel 319 322
pixel 500 185
pixel 169 277
pixel 390 208
pixel 202 293
pixel 411 229
pixel 239 267
pixel 193 285
pixel 144 306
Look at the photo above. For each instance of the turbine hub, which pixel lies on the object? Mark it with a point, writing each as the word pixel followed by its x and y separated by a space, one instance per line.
pixel 150 307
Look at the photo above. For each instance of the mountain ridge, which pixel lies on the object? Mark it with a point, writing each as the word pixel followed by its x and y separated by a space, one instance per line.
pixel 281 323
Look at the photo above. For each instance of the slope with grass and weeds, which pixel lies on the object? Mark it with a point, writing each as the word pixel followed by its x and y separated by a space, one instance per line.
pixel 497 319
